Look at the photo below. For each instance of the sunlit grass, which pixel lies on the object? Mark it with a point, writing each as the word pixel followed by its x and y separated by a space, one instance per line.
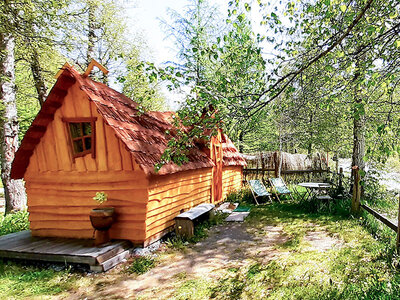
pixel 361 267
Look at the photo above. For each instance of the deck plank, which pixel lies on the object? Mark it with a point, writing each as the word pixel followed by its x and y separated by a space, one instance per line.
pixel 22 245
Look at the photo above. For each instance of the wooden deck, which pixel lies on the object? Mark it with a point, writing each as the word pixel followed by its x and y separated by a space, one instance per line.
pixel 22 245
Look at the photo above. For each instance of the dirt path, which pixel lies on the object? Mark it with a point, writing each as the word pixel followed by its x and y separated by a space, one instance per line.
pixel 227 246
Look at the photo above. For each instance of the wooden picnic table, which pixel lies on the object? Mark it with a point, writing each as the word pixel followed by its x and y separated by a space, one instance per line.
pixel 313 189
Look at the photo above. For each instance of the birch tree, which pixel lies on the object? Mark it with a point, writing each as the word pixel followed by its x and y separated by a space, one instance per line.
pixel 14 190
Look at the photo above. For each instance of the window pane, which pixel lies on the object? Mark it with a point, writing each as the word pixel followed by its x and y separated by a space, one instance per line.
pixel 87 128
pixel 88 143
pixel 76 130
pixel 78 146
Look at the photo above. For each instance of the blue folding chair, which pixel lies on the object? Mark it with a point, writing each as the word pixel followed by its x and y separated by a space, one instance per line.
pixel 279 187
pixel 258 189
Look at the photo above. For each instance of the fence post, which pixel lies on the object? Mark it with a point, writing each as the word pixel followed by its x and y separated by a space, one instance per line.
pixel 262 165
pixel 398 230
pixel 276 164
pixel 355 203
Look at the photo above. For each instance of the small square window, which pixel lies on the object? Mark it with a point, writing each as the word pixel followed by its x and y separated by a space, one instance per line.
pixel 81 135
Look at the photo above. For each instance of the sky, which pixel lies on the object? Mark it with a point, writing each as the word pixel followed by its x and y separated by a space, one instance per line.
pixel 144 18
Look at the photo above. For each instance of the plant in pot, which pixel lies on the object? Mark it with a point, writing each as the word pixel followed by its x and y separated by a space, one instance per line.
pixel 101 219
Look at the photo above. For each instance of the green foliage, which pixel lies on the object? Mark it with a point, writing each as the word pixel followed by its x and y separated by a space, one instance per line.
pixel 100 197
pixel 360 266
pixel 142 264
pixel 200 232
pixel 21 281
pixel 14 222
pixel 242 196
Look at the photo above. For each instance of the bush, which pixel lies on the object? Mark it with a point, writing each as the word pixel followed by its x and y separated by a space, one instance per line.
pixel 14 222
pixel 243 196
pixel 142 264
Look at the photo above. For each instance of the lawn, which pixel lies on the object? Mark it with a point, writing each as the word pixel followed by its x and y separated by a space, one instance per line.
pixel 282 251
pixel 358 266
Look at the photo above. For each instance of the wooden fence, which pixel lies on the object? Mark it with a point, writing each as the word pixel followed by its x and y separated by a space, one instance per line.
pixel 356 207
pixel 290 176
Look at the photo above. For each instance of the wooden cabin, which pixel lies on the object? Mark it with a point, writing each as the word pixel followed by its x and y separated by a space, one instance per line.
pixel 89 138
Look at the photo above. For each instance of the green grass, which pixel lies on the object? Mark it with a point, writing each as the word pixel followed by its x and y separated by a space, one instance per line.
pixel 363 267
pixel 19 280
pixel 200 232
pixel 141 265
pixel 14 222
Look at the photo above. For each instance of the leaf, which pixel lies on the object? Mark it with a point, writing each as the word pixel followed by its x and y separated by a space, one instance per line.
pixel 343 7
pixel 398 43
pixel 194 49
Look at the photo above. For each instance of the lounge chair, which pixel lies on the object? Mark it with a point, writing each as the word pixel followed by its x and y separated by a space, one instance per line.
pixel 279 187
pixel 258 190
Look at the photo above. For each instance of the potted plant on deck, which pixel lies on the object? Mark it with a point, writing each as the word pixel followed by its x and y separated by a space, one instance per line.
pixel 101 219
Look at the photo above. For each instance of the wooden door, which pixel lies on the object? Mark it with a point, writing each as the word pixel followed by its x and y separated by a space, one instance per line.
pixel 216 156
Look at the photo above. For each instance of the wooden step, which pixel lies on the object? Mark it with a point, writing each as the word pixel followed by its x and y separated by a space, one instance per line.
pixel 112 262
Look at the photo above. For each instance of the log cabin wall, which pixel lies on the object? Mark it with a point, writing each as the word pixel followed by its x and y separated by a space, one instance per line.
pixel 60 188
pixel 169 195
pixel 232 177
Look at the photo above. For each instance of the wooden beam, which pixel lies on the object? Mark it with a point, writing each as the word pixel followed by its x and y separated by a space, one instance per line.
pixel 65 66
pixel 92 64
pixel 380 217
pixel 398 230
pixel 355 203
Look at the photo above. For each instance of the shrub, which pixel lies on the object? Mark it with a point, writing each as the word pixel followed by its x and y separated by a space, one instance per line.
pixel 14 222
pixel 142 264
pixel 243 196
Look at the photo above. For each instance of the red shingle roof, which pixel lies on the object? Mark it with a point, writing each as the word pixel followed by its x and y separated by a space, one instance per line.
pixel 143 134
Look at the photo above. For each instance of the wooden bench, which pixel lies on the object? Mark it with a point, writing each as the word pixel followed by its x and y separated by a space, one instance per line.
pixel 185 222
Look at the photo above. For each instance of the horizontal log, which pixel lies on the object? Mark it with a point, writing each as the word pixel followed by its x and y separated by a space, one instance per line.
pixel 177 192
pixel 66 225
pixel 119 217
pixel 155 181
pixel 76 234
pixel 124 185
pixel 184 203
pixel 180 182
pixel 87 177
pixel 81 210
pixel 160 203
pixel 380 217
pixel 159 228
pixel 84 225
pixel 175 210
pixel 39 197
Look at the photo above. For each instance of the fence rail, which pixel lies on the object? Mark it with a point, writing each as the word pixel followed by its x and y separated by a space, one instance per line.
pixel 356 207
pixel 380 217
pixel 290 176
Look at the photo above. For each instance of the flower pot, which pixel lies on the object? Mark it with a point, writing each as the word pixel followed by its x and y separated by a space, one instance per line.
pixel 102 219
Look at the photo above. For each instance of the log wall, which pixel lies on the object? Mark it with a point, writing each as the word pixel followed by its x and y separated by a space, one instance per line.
pixel 60 188
pixel 169 195
pixel 232 177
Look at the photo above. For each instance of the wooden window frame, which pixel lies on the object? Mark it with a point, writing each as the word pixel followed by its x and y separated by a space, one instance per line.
pixel 92 121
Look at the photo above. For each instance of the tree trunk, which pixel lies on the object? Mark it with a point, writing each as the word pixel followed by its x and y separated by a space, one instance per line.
pixel 358 127
pixel 14 190
pixel 91 31
pixel 358 142
pixel 241 137
pixel 309 148
pixel 37 74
